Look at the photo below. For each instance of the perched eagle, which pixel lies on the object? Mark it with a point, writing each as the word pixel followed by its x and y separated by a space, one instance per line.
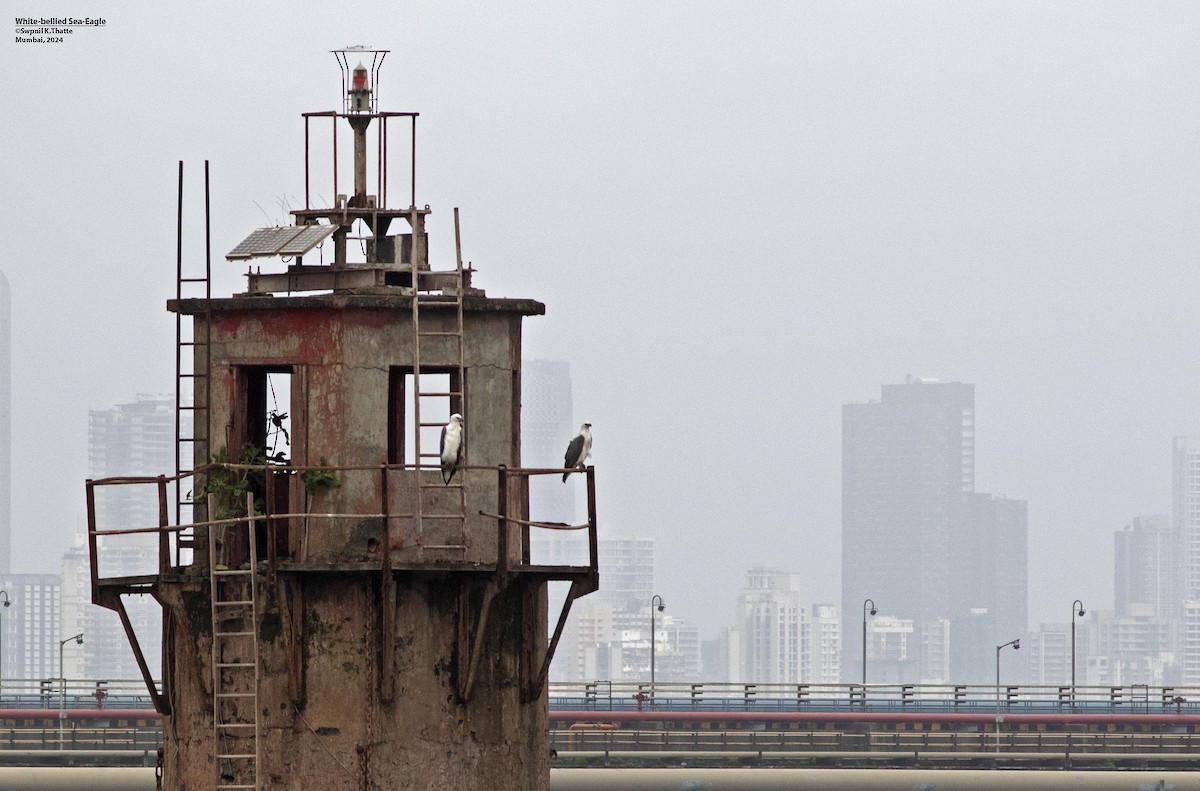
pixel 579 450
pixel 451 448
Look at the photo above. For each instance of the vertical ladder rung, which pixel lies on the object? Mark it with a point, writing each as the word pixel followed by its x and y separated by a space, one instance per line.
pixel 442 301
pixel 234 592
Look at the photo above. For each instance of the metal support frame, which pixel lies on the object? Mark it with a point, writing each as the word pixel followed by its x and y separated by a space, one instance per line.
pixel 537 682
pixel 115 603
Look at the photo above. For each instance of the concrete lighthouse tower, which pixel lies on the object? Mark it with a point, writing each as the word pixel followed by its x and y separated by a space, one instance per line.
pixel 345 609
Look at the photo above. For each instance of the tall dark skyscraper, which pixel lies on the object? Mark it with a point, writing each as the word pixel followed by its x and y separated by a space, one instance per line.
pixel 916 538
pixel 907 461
pixel 5 427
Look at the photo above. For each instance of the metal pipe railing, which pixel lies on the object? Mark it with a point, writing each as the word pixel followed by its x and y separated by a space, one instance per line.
pixel 510 482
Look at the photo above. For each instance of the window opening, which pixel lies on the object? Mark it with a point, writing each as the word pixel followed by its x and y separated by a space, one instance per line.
pixel 266 439
pixel 436 407
pixel 278 441
pixel 268 414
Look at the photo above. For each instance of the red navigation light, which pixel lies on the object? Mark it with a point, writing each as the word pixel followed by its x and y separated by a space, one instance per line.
pixel 360 90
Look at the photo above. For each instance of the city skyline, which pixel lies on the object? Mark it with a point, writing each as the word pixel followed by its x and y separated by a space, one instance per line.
pixel 558 502
pixel 1122 641
pixel 999 195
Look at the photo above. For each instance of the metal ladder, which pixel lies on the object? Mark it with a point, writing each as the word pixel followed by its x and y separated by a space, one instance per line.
pixel 429 504
pixel 234 660
pixel 187 350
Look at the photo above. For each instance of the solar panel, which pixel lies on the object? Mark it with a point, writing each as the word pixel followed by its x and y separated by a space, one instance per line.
pixel 308 238
pixel 264 241
pixel 288 240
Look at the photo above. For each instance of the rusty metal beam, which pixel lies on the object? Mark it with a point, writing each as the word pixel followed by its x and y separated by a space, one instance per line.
pixel 160 705
pixel 468 662
pixel 164 520
pixel 538 681
pixel 92 556
pixel 593 538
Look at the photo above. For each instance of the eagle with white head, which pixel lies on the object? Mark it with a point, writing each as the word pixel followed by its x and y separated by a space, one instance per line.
pixel 451 447
pixel 579 450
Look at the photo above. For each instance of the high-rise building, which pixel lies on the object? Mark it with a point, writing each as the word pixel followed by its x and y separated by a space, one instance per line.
pixel 1146 567
pixel 1186 517
pixel 628 565
pixel 5 426
pixel 1186 512
pixel 136 438
pixel 547 426
pixel 773 628
pixel 1047 653
pixel 31 618
pixel 775 638
pixel 826 645
pixel 31 626
pixel 907 462
pixel 917 540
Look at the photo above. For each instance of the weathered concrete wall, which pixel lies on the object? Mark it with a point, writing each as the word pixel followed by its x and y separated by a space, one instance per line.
pixel 325 721
pixel 341 735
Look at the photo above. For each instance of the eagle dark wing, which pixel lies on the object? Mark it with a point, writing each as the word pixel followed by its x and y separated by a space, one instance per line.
pixel 574 454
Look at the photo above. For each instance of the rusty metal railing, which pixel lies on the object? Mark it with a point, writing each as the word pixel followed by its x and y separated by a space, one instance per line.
pixel 512 508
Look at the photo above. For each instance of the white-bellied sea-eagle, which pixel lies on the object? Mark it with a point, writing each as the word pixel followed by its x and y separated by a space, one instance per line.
pixel 579 450
pixel 451 448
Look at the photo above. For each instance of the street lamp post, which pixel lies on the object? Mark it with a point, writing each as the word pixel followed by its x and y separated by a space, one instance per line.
pixel 872 611
pixel 657 601
pixel 7 603
pixel 62 699
pixel 1016 644
pixel 1075 605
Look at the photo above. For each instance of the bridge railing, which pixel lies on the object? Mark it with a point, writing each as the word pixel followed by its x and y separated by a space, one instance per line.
pixel 76 737
pixel 76 693
pixel 713 696
pixel 729 696
pixel 941 741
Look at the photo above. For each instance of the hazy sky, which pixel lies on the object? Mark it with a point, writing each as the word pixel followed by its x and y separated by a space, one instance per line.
pixel 740 217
